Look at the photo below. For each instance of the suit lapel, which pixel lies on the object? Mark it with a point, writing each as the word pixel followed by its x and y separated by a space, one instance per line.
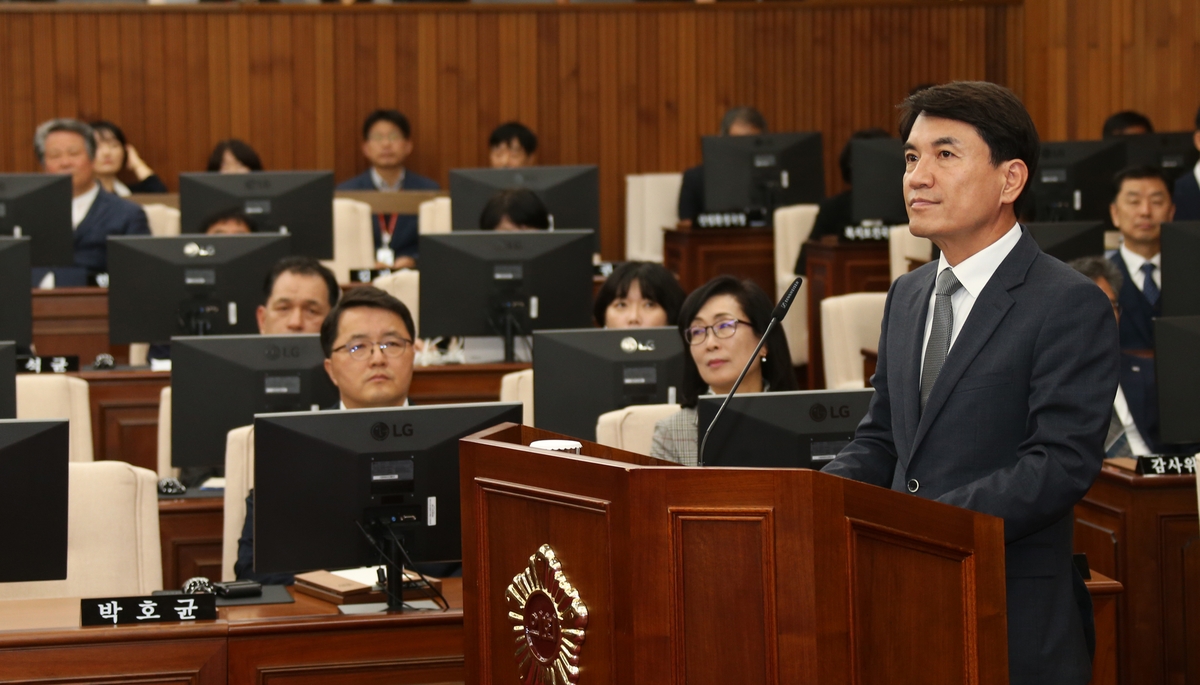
pixel 93 218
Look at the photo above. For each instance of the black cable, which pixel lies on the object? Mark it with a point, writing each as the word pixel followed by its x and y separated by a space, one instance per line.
pixel 409 561
pixel 383 556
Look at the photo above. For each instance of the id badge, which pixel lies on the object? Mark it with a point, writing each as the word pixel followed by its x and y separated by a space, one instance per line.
pixel 385 255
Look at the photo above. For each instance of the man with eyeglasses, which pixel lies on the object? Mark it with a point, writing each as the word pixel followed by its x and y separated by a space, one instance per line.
pixel 387 143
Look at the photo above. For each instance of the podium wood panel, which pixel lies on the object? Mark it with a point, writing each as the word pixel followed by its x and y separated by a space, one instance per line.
pixel 699 255
pixel 837 269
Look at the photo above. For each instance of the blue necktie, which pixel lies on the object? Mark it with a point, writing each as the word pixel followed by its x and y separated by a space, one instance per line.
pixel 1149 287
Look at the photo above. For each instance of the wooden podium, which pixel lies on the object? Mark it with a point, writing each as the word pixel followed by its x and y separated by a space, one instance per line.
pixel 711 575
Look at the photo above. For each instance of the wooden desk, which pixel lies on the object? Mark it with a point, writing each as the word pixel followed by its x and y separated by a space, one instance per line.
pixel 73 321
pixel 124 408
pixel 456 383
pixel 837 269
pixel 1105 592
pixel 698 255
pixel 190 531
pixel 870 361
pixel 1144 532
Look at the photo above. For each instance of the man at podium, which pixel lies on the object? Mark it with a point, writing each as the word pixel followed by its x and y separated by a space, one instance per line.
pixel 997 369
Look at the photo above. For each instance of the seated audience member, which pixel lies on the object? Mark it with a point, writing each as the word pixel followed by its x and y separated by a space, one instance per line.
pixel 512 145
pixel 387 143
pixel 1140 206
pixel 1187 186
pixel 68 146
pixel 738 121
pixel 1126 123
pixel 233 156
pixel 368 343
pixel 639 295
pixel 230 222
pixel 299 292
pixel 114 155
pixel 834 213
pixel 514 210
pixel 721 323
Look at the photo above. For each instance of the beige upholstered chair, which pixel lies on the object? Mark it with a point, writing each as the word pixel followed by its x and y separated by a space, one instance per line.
pixel 53 396
pixel 434 216
pixel 353 242
pixel 848 324
pixel 139 354
pixel 793 225
pixel 518 387
pixel 113 548
pixel 404 285
pixel 239 479
pixel 632 428
pixel 164 220
pixel 651 204
pixel 903 246
pixel 165 470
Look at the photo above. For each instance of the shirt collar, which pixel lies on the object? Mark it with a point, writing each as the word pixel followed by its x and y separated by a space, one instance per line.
pixel 975 271
pixel 81 205
pixel 342 405
pixel 380 185
pixel 1134 261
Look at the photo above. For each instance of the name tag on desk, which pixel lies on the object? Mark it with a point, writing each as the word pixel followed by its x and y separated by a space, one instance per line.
pixel 1166 465
pixel 154 609
pixel 47 364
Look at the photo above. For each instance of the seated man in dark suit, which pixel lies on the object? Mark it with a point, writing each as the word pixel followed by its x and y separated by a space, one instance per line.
pixel 67 146
pixel 387 143
pixel 738 121
pixel 299 293
pixel 1140 206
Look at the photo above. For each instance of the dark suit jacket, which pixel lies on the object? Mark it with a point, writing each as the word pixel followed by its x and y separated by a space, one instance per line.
pixel 1014 427
pixel 1187 197
pixel 1141 394
pixel 691 194
pixel 1137 315
pixel 404 238
pixel 109 215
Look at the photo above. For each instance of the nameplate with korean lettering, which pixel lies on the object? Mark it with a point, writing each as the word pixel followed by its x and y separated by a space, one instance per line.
pixel 28 364
pixel 1166 465
pixel 368 275
pixel 155 609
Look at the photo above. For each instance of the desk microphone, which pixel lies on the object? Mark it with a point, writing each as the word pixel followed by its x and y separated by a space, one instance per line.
pixel 781 310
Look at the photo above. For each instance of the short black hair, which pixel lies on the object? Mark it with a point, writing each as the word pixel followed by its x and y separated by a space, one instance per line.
pixel 1138 173
pixel 102 126
pixel 746 115
pixel 1097 267
pixel 303 266
pixel 522 207
pixel 390 115
pixel 777 371
pixel 363 296
pixel 234 214
pixel 1115 124
pixel 996 114
pixel 863 134
pixel 240 150
pixel 654 280
pixel 514 130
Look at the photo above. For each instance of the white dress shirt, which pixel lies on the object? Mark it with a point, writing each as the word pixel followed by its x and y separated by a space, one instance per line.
pixel 1137 445
pixel 1196 172
pixel 1134 262
pixel 974 272
pixel 379 183
pixel 342 405
pixel 80 205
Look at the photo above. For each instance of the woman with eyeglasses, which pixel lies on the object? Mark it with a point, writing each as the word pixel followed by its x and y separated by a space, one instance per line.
pixel 721 323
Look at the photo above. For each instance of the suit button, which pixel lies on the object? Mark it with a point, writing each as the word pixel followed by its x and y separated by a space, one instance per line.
pixel 913 485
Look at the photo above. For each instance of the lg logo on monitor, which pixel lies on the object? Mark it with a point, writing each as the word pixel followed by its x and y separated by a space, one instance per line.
pixel 381 431
pixel 819 412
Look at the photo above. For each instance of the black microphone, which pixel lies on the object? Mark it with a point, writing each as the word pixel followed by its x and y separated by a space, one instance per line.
pixel 781 310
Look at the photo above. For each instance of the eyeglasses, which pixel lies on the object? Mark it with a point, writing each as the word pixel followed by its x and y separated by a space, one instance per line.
pixel 721 329
pixel 363 350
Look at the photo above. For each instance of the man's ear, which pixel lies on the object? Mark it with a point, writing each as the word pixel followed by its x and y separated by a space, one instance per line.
pixel 1016 178
pixel 329 372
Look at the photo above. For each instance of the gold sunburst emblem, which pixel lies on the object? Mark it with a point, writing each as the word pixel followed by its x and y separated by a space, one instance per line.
pixel 549 622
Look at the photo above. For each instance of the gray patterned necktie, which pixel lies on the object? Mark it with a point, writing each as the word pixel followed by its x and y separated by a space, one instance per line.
pixel 939 334
pixel 1116 444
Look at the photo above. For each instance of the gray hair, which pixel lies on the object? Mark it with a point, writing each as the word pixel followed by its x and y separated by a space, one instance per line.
pixel 70 125
pixel 746 115
pixel 1099 267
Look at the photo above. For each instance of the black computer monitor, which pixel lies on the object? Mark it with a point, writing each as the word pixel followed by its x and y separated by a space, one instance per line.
pixel 297 203
pixel 1174 153
pixel 1177 368
pixel 580 374
pixel 318 475
pixel 571 193
pixel 8 380
pixel 801 429
pixel 877 181
pixel 756 174
pixel 1069 240
pixel 189 285
pixel 1074 180
pixel 505 283
pixel 220 382
pixel 33 500
pixel 1180 277
pixel 16 312
pixel 38 206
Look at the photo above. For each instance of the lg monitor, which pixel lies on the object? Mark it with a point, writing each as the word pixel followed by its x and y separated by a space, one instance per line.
pixel 319 476
pixel 8 380
pixel 220 382
pixel 16 313
pixel 1174 153
pixel 1069 240
pixel 580 374
pixel 188 285
pixel 801 429
pixel 1180 278
pixel 1177 367
pixel 756 174
pixel 505 283
pixel 877 182
pixel 294 203
pixel 1073 181
pixel 33 500
pixel 571 194
pixel 38 206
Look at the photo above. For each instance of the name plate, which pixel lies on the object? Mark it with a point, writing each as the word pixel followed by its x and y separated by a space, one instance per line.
pixel 866 232
pixel 29 364
pixel 153 609
pixel 368 275
pixel 1166 465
